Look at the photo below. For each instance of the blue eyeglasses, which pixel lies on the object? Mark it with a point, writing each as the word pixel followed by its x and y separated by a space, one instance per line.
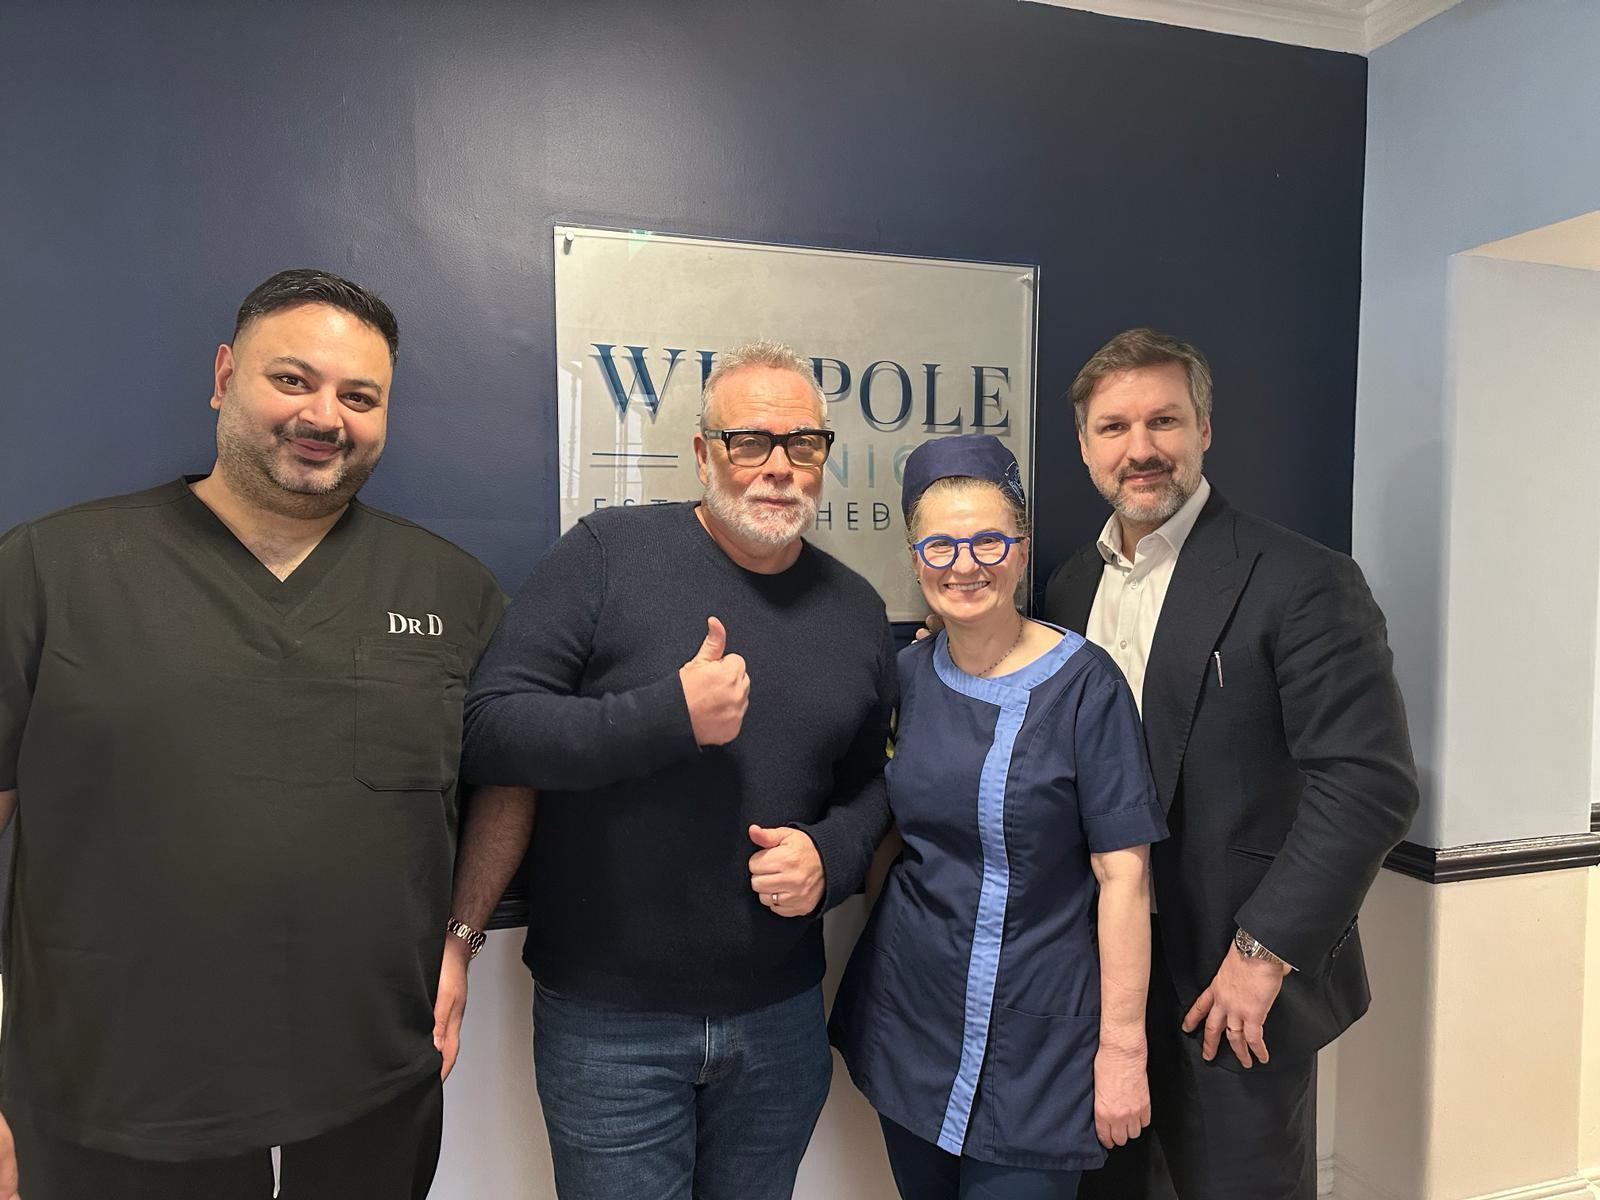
pixel 988 549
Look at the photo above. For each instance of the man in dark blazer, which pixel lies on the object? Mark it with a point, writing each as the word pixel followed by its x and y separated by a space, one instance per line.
pixel 1279 747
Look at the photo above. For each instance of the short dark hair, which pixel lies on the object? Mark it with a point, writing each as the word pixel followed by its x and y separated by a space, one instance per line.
pixel 1135 348
pixel 307 285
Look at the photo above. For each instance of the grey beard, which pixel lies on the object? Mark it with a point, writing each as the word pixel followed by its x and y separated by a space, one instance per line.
pixel 1157 510
pixel 730 510
pixel 1153 511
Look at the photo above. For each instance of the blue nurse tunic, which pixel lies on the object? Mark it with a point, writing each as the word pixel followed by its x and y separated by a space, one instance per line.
pixel 970 1010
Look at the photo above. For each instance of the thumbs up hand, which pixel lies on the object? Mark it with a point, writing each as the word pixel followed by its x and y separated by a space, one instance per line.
pixel 786 872
pixel 716 689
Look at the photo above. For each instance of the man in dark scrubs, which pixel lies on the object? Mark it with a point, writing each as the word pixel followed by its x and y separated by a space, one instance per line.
pixel 230 717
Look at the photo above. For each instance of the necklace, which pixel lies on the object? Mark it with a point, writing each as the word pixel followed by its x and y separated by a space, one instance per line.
pixel 1022 625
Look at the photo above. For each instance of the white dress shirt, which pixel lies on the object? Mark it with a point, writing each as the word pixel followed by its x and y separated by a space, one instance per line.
pixel 1128 602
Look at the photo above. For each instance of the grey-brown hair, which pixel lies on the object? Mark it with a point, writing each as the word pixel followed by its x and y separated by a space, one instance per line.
pixel 1142 347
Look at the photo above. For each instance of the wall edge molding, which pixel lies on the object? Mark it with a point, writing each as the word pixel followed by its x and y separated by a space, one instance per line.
pixel 1349 1184
pixel 1570 1187
pixel 1491 860
pixel 1284 23
pixel 1348 30
pixel 1386 20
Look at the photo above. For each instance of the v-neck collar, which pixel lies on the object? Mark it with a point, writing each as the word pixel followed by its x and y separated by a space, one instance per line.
pixel 1012 687
pixel 283 595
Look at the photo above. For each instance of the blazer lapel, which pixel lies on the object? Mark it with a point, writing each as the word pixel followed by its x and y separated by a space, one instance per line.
pixel 1207 581
pixel 1069 596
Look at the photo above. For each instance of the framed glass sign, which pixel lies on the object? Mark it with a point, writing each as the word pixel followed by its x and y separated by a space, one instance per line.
pixel 904 348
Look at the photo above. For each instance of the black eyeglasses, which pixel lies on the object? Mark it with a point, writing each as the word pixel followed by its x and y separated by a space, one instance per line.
pixel 988 549
pixel 752 447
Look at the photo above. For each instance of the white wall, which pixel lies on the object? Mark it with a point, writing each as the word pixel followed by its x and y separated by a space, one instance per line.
pixel 1524 547
pixel 1482 123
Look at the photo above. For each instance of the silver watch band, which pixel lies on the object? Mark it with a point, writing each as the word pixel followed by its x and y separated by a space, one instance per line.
pixel 1251 948
pixel 474 938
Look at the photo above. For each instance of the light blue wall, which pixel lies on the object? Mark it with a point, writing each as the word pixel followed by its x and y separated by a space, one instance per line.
pixel 1481 123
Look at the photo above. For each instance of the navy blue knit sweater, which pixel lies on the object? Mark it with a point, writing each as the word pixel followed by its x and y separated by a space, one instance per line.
pixel 638 881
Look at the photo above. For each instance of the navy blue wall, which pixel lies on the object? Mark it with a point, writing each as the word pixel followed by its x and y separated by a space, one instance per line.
pixel 158 159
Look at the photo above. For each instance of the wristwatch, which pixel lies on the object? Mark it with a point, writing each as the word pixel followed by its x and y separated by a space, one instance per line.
pixel 474 938
pixel 1250 948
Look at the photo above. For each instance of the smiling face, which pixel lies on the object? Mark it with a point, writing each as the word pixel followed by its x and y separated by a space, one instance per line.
pixel 967 593
pixel 1144 444
pixel 301 399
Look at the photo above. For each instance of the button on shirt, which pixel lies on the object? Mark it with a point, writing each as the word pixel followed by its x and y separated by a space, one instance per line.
pixel 1127 604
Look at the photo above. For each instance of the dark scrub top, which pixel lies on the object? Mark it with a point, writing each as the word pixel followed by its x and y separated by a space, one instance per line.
pixel 970 1011
pixel 236 816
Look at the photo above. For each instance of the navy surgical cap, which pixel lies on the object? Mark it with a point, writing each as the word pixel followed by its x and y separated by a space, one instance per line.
pixel 974 455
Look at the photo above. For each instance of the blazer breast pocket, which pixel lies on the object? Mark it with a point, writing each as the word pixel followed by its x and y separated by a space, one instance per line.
pixel 1240 696
pixel 409 694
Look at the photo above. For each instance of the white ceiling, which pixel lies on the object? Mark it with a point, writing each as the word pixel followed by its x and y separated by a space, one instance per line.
pixel 1356 26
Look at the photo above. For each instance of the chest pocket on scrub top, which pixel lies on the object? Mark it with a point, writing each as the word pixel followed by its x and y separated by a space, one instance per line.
pixel 409 694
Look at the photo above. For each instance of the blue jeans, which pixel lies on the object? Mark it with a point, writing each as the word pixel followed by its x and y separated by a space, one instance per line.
pixel 663 1106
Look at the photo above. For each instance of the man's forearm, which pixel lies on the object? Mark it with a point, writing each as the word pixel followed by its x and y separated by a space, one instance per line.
pixel 494 837
pixel 8 804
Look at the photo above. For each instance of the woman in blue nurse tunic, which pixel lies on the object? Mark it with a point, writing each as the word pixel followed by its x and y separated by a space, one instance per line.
pixel 1001 1051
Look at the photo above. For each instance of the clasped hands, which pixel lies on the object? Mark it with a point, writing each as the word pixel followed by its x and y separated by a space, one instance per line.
pixel 786 870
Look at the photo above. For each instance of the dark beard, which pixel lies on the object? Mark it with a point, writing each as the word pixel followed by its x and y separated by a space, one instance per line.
pixel 251 475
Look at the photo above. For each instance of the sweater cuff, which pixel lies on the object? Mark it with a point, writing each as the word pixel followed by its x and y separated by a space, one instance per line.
pixel 839 882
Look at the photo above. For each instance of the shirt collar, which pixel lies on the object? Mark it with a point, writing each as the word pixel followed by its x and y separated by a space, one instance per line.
pixel 1174 533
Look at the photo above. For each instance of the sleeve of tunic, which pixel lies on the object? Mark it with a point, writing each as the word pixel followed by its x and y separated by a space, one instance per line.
pixel 858 814
pixel 526 724
pixel 1117 803
pixel 21 637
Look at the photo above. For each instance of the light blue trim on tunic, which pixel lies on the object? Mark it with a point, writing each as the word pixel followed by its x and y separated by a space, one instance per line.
pixel 1010 694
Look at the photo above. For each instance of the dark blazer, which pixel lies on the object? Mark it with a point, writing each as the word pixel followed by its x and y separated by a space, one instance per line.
pixel 1286 771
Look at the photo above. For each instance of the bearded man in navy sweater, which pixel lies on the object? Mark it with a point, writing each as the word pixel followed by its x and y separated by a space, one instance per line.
pixel 703 699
